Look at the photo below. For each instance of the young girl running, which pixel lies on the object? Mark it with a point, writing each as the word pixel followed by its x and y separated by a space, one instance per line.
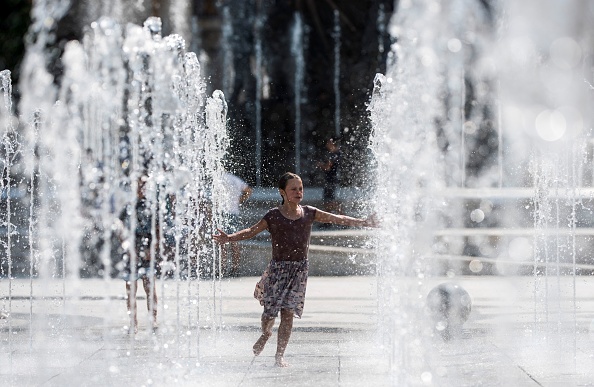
pixel 282 286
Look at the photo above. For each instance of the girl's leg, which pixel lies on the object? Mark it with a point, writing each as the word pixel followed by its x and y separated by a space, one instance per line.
pixel 146 282
pixel 131 304
pixel 284 333
pixel 267 324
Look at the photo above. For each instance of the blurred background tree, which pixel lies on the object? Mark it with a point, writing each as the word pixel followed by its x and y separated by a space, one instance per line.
pixel 13 28
pixel 349 36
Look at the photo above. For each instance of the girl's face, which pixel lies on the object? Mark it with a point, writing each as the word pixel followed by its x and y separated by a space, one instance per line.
pixel 293 192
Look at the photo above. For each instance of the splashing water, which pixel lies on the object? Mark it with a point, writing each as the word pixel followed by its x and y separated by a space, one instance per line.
pixel 130 114
pixel 131 108
pixel 525 209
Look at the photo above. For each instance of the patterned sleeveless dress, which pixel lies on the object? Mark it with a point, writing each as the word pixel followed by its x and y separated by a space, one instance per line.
pixel 283 284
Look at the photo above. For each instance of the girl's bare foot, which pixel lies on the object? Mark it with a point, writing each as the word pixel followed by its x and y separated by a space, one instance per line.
pixel 260 343
pixel 280 361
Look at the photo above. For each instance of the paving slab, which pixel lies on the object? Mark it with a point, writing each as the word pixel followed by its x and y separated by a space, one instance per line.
pixel 64 333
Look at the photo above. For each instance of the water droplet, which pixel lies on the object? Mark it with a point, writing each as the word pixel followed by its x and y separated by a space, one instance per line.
pixel 566 53
pixel 454 45
pixel 475 266
pixel 477 215
pixel 426 377
pixel 550 125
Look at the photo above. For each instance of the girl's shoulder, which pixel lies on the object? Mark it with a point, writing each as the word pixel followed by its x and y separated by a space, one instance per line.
pixel 272 212
pixel 309 210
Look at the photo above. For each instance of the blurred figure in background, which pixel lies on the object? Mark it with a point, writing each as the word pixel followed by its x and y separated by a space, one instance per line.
pixel 145 265
pixel 331 166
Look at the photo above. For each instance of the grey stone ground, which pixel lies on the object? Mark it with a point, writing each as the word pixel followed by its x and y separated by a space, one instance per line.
pixel 81 341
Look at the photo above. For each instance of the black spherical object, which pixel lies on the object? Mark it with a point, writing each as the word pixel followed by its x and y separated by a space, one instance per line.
pixel 449 307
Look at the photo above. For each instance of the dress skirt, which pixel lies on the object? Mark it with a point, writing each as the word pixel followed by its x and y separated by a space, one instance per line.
pixel 282 286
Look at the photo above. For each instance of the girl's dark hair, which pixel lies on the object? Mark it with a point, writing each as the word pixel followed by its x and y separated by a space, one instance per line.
pixel 284 179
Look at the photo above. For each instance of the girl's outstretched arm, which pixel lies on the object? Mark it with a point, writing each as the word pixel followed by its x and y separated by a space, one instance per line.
pixel 327 217
pixel 241 235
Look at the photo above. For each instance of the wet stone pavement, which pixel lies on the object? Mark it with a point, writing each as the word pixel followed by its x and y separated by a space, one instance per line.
pixel 78 336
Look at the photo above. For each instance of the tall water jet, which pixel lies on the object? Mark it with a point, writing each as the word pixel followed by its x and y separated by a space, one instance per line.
pixel 258 52
pixel 10 151
pixel 545 72
pixel 407 98
pixel 336 85
pixel 299 60
pixel 227 48
pixel 522 209
pixel 130 107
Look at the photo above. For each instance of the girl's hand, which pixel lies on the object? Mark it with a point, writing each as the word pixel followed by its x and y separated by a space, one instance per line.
pixel 371 221
pixel 221 238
